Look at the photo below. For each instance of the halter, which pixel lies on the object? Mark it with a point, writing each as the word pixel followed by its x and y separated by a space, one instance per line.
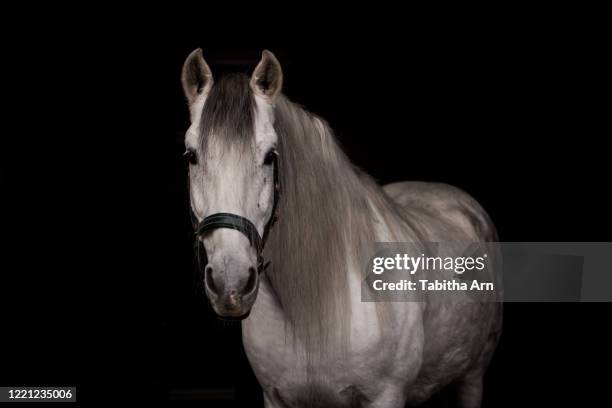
pixel 238 223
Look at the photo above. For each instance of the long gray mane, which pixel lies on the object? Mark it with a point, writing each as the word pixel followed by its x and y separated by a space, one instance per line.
pixel 326 227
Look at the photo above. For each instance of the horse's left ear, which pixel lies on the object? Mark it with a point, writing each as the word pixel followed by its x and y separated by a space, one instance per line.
pixel 267 79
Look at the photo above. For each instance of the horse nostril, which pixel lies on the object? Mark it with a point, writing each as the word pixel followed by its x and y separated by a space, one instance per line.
pixel 208 279
pixel 250 286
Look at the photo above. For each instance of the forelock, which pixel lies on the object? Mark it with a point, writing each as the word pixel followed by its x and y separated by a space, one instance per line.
pixel 229 111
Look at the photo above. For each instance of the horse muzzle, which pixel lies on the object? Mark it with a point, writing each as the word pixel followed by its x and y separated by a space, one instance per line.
pixel 231 294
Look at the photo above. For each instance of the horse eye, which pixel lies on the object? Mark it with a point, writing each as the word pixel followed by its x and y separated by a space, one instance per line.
pixel 190 156
pixel 269 159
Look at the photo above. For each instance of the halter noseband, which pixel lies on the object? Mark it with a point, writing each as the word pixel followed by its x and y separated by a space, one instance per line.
pixel 239 223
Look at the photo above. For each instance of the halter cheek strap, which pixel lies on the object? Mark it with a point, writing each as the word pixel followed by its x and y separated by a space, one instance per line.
pixel 238 223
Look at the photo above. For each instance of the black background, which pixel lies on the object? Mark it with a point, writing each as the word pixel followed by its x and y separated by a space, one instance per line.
pixel 98 281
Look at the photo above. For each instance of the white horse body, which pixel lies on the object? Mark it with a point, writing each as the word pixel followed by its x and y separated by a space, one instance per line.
pixel 389 354
pixel 430 348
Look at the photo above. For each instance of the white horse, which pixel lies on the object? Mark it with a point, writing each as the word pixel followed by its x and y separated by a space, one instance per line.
pixel 310 339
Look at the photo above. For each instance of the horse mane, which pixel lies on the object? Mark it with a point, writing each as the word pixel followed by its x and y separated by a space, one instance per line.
pixel 326 227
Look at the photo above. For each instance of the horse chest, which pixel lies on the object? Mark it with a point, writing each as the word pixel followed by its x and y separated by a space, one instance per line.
pixel 280 363
pixel 282 370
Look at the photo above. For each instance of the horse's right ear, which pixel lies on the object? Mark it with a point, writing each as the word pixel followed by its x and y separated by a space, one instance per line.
pixel 196 77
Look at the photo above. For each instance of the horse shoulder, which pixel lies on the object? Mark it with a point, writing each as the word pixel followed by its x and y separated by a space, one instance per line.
pixel 446 202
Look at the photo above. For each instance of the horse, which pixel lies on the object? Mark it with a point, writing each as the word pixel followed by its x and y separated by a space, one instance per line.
pixel 287 224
